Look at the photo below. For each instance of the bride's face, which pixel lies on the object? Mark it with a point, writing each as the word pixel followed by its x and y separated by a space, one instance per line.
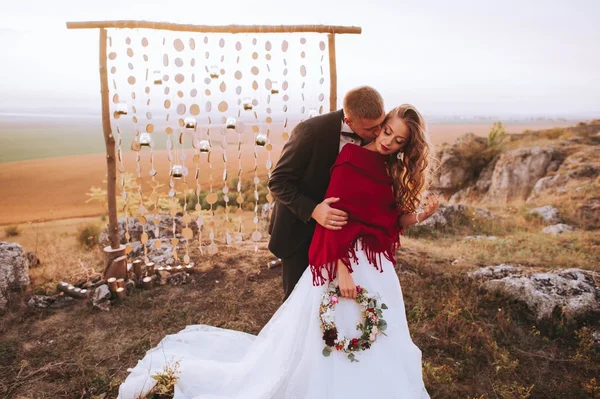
pixel 394 135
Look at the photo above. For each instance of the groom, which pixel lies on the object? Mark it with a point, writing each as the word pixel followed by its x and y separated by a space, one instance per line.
pixel 300 179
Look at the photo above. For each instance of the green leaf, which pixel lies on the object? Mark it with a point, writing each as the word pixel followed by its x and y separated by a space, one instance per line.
pixel 352 358
pixel 382 325
pixel 326 351
pixel 384 306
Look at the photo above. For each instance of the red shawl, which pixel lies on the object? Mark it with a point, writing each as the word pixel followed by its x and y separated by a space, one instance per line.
pixel 359 178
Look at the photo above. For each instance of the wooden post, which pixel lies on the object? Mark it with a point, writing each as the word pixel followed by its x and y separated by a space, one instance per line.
pixel 332 74
pixel 115 250
pixel 109 141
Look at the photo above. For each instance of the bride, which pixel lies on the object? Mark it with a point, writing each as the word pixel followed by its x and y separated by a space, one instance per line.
pixel 312 348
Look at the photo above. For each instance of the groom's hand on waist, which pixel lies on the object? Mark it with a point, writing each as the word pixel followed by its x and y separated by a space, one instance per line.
pixel 328 217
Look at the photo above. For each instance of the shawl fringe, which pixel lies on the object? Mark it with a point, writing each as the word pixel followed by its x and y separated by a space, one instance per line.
pixel 373 254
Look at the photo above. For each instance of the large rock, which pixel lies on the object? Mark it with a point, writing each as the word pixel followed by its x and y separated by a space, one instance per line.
pixel 582 164
pixel 460 163
pixel 589 213
pixel 557 229
pixel 478 190
pixel 517 171
pixel 101 298
pixel 556 183
pixel 575 292
pixel 579 168
pixel 547 213
pixel 14 271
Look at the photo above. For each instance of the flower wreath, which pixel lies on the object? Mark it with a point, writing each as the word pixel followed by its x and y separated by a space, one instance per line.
pixel 372 325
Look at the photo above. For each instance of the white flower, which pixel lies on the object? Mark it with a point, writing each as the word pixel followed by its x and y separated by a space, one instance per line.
pixel 325 300
pixel 372 337
pixel 374 330
pixel 328 316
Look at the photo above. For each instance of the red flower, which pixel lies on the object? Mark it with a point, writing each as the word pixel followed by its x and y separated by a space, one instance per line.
pixel 329 336
pixel 359 289
pixel 354 341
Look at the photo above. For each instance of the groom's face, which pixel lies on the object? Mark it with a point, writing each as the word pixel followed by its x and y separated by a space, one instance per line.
pixel 368 129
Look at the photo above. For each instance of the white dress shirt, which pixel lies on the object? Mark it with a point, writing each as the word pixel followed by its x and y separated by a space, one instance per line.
pixel 345 139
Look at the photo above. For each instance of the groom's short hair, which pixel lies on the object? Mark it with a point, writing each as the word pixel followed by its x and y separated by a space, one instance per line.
pixel 363 103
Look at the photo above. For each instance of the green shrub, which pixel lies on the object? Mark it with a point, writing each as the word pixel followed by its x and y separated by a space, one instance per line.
pixel 88 234
pixel 12 231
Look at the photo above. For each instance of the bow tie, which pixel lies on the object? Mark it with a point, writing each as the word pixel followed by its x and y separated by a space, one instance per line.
pixel 352 135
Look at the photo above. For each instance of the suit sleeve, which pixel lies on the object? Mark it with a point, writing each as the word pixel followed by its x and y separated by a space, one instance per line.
pixel 287 176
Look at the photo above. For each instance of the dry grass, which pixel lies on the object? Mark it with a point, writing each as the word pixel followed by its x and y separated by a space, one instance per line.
pixel 519 240
pixel 475 345
pixel 62 256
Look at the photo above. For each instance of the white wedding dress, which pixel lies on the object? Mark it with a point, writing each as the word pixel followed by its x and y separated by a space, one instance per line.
pixel 285 360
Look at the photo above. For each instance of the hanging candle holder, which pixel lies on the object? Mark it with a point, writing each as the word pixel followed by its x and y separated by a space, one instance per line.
pixel 157 77
pixel 230 123
pixel 122 108
pixel 261 140
pixel 190 123
pixel 145 140
pixel 204 146
pixel 177 171
pixel 312 112
pixel 247 104
pixel 214 72
pixel 274 87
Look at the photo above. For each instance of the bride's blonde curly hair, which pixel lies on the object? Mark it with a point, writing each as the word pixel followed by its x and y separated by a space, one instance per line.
pixel 411 170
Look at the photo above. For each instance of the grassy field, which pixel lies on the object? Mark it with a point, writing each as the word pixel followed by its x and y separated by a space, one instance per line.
pixel 58 165
pixel 25 138
pixel 475 345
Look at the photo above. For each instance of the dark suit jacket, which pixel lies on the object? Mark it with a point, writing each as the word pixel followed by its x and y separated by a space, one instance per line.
pixel 300 179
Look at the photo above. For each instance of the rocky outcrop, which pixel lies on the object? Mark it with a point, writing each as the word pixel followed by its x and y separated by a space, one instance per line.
pixel 548 214
pixel 517 171
pixel 14 271
pixel 579 168
pixel 460 163
pixel 478 190
pixel 573 292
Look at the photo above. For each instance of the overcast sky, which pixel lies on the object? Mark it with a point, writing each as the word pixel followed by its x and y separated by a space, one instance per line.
pixel 466 57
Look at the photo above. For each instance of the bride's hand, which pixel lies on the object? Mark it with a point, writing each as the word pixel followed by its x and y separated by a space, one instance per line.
pixel 346 282
pixel 431 205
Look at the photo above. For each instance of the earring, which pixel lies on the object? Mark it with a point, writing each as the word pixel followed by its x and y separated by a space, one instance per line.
pixel 400 155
